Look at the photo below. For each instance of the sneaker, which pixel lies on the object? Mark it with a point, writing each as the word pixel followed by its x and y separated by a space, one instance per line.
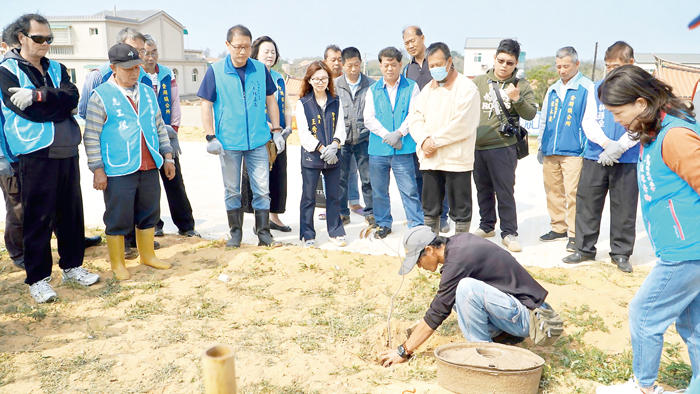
pixel 445 225
pixel 370 220
pixel 382 232
pixel 631 387
pixel 553 236
pixel 80 275
pixel 310 243
pixel 190 233
pixel 571 245
pixel 339 241
pixel 345 220
pixel 483 234
pixel 512 243
pixel 43 292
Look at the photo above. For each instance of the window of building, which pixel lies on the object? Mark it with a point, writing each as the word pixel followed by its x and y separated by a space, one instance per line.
pixel 61 35
pixel 175 72
pixel 94 31
pixel 194 75
pixel 477 57
pixel 71 72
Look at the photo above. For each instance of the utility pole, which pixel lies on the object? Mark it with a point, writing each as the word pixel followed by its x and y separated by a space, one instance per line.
pixel 595 59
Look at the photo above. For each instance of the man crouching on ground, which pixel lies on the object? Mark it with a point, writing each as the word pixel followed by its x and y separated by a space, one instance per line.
pixel 490 291
pixel 126 143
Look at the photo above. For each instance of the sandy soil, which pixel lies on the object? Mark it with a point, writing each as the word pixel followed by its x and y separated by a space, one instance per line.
pixel 301 321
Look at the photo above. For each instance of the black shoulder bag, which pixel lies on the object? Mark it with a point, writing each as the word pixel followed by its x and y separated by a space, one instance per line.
pixel 513 126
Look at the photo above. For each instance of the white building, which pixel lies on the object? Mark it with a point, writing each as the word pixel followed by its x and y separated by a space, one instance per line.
pixel 478 55
pixel 647 61
pixel 81 43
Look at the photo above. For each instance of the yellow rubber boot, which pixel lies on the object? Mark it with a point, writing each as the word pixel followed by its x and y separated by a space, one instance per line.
pixel 115 247
pixel 144 242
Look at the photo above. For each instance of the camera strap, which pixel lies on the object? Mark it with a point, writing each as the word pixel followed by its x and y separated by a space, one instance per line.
pixel 504 110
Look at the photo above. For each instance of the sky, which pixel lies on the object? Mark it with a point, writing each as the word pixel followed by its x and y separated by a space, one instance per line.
pixel 304 28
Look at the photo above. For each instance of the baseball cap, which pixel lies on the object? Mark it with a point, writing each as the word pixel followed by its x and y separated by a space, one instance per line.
pixel 124 56
pixel 415 240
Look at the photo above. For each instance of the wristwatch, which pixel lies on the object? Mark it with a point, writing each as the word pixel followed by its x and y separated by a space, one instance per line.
pixel 403 353
pixel 210 137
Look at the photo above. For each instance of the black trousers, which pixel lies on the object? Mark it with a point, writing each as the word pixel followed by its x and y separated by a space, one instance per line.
pixel 278 186
pixel 52 201
pixel 620 180
pixel 310 178
pixel 419 174
pixel 457 186
pixel 494 177
pixel 13 217
pixel 130 200
pixel 179 204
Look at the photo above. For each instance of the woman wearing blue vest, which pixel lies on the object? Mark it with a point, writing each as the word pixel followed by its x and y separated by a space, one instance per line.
pixel 317 113
pixel 669 185
pixel 265 50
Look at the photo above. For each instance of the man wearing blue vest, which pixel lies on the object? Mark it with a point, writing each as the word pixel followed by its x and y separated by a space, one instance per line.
pixel 387 105
pixel 562 144
pixel 609 166
pixel 162 79
pixel 235 93
pixel 126 143
pixel 38 99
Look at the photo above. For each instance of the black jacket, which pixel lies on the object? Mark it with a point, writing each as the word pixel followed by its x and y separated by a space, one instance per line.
pixel 56 105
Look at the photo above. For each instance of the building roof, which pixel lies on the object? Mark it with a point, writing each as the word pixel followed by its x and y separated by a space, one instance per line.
pixel 683 58
pixel 483 42
pixel 128 16
pixel 680 76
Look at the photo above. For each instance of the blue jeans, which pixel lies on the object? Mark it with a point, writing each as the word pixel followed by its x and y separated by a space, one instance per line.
pixel 484 312
pixel 353 191
pixel 404 173
pixel 359 152
pixel 671 293
pixel 258 173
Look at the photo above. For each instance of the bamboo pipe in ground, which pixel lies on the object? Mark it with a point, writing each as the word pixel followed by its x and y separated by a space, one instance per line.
pixel 219 370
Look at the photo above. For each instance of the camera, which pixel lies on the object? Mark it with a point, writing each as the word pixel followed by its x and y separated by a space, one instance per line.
pixel 508 130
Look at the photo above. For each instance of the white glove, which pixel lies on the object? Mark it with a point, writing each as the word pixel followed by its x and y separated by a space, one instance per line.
pixel 5 167
pixel 393 139
pixel 540 156
pixel 606 160
pixel 615 149
pixel 279 141
pixel 286 132
pixel 329 153
pixel 22 97
pixel 215 148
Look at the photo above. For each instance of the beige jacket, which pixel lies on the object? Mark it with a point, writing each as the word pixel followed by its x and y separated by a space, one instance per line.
pixel 450 115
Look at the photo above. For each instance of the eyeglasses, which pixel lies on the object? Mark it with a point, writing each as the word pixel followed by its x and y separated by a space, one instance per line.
pixel 152 53
pixel 240 48
pixel 40 39
pixel 142 53
pixel 508 63
pixel 319 80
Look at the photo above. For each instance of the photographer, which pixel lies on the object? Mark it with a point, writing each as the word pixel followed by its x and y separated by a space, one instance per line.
pixel 496 154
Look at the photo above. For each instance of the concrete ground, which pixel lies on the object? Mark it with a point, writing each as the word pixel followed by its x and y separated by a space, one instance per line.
pixel 202 174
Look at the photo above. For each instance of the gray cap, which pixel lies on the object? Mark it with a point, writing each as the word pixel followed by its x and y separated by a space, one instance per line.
pixel 415 240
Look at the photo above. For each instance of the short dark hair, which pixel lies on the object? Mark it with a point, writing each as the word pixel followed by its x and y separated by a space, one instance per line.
pixel 390 53
pixel 438 46
pixel 238 30
pixel 620 51
pixel 256 47
pixel 333 48
pixel 24 23
pixel 510 47
pixel 436 243
pixel 9 34
pixel 415 29
pixel 349 53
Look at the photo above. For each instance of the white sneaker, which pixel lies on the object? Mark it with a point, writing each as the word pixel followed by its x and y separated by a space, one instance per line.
pixel 483 234
pixel 80 275
pixel 631 387
pixel 310 243
pixel 42 291
pixel 512 243
pixel 339 241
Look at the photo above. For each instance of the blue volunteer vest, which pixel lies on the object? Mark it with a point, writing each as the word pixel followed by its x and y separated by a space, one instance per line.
pixel 106 72
pixel 391 118
pixel 240 121
pixel 281 96
pixel 121 134
pixel 563 133
pixel 322 125
pixel 612 130
pixel 164 91
pixel 24 136
pixel 670 206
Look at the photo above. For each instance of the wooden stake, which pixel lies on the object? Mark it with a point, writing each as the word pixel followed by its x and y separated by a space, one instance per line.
pixel 219 370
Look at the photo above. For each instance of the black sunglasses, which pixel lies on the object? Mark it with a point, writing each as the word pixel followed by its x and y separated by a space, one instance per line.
pixel 40 39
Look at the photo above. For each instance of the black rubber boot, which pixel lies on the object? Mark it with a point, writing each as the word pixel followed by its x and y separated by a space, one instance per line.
pixel 235 223
pixel 462 227
pixel 433 223
pixel 262 228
